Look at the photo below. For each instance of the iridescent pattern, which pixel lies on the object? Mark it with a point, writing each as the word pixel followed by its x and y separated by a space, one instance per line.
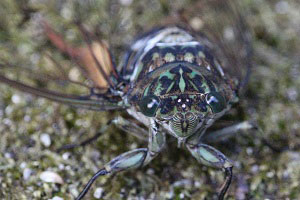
pixel 171 65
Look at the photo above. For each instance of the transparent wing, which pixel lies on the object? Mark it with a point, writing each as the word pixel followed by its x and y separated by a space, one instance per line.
pixel 223 24
pixel 37 59
pixel 45 49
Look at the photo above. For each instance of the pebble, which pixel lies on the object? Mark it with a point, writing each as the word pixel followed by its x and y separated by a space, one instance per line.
pixel 196 23
pixel 125 2
pixel 45 139
pixel 51 177
pixel 27 173
pixel 98 193
pixel 228 33
pixel 57 198
pixel 16 99
pixel 181 196
pixel 282 7
pixel 66 156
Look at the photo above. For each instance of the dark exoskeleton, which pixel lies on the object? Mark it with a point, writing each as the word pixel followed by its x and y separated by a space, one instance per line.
pixel 173 80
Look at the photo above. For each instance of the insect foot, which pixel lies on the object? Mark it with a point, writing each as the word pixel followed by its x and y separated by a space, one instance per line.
pixel 211 157
pixel 128 160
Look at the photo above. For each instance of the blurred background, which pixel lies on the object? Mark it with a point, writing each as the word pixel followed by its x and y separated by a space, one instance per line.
pixel 267 162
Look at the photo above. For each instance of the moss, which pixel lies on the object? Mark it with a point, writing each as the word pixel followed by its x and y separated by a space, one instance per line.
pixel 272 99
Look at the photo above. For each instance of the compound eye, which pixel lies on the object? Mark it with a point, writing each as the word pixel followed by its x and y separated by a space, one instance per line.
pixel 149 105
pixel 216 101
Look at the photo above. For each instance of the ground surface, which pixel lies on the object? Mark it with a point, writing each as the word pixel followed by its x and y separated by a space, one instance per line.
pixel 27 124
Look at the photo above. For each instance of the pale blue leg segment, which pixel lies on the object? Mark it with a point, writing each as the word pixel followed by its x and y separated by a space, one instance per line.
pixel 132 159
pixel 211 157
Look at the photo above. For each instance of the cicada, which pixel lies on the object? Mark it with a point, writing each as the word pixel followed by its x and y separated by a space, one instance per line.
pixel 173 79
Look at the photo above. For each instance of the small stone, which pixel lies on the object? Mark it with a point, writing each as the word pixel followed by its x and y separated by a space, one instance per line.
pixel 196 23
pixel 51 177
pixel 150 171
pixel 228 33
pixel 125 2
pixel 45 139
pixel 23 165
pixel 16 99
pixel 8 155
pixel 181 196
pixel 27 173
pixel 27 118
pixel 254 168
pixel 197 184
pixel 98 193
pixel 37 194
pixel 57 198
pixel 170 194
pixel 249 151
pixel 74 191
pixel 61 166
pixel 292 94
pixel 270 174
pixel 66 156
pixel 282 7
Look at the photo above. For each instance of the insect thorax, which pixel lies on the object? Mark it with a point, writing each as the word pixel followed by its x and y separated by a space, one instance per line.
pixel 170 68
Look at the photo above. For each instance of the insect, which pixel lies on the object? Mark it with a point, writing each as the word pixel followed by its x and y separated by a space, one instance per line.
pixel 172 80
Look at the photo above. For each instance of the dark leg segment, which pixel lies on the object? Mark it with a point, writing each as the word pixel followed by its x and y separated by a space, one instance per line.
pixel 101 172
pixel 128 126
pixel 125 161
pixel 209 156
pixel 131 159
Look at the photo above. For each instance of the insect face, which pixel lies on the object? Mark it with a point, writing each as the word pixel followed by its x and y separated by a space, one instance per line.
pixel 183 98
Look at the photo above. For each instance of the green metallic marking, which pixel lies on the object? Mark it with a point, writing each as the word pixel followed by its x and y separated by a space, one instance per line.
pixel 167 74
pixel 131 161
pixel 155 56
pixel 146 91
pixel 189 57
pixel 201 54
pixel 193 74
pixel 208 156
pixel 206 88
pixel 194 86
pixel 170 87
pixel 158 89
pixel 181 81
pixel 204 84
pixel 169 57
pixel 174 97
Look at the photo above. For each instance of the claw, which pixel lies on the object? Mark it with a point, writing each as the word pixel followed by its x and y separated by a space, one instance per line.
pixel 101 172
pixel 131 159
pixel 225 186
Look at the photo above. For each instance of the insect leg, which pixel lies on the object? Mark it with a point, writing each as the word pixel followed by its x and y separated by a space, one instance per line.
pixel 81 144
pixel 228 132
pixel 131 127
pixel 123 124
pixel 132 159
pixel 211 157
pixel 87 141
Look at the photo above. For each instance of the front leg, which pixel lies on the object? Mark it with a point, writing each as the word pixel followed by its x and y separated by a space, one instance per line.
pixel 211 157
pixel 132 159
